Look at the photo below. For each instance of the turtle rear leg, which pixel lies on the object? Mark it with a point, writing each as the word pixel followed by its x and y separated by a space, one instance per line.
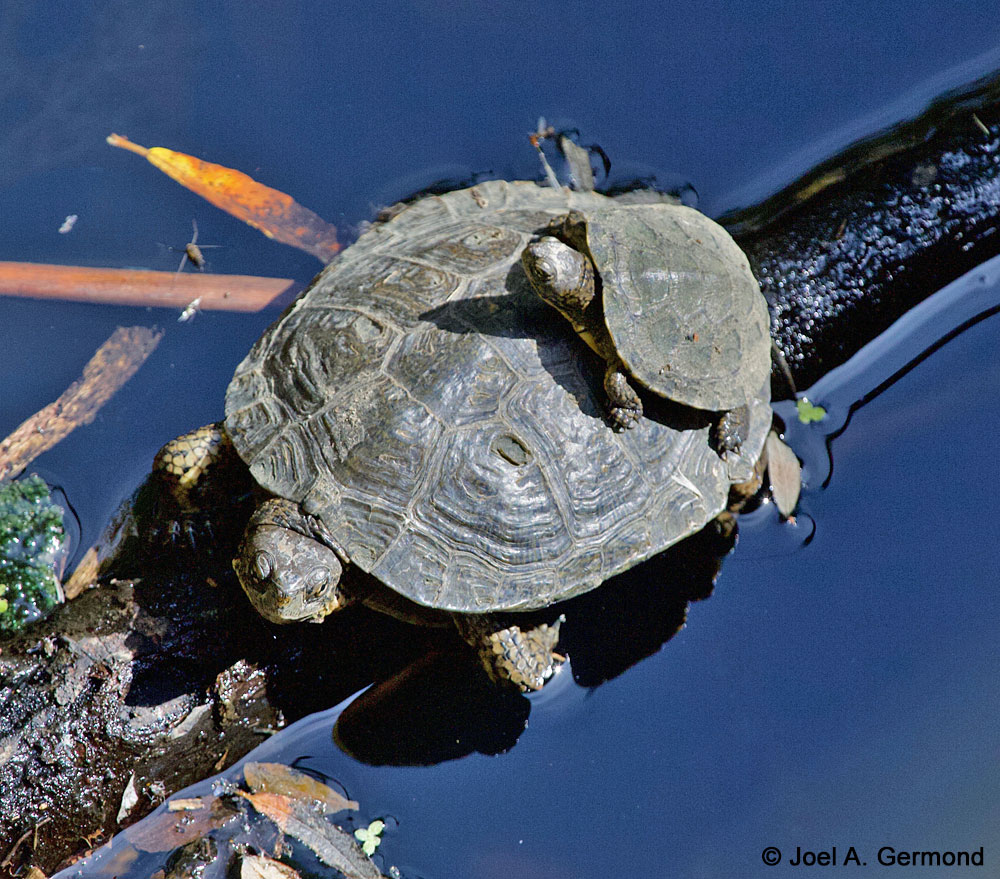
pixel 524 657
pixel 731 428
pixel 625 407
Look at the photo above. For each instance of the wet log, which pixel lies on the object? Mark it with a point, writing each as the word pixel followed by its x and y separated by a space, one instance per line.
pixel 139 684
pixel 871 234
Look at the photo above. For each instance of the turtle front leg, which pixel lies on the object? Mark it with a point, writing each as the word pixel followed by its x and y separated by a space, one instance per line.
pixel 523 657
pixel 625 407
pixel 197 472
pixel 183 462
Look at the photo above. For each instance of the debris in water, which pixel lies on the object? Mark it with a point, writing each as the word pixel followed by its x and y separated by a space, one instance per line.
pixel 129 798
pixel 165 831
pixel 188 804
pixel 543 131
pixel 190 310
pixel 68 224
pixel 808 412
pixel 785 473
pixel 143 287
pixel 370 837
pixel 275 214
pixel 276 778
pixel 299 819
pixel 263 867
pixel 113 364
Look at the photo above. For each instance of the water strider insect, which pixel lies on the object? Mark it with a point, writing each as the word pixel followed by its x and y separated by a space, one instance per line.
pixel 192 251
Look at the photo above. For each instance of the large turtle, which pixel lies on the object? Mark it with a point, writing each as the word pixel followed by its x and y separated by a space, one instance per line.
pixel 664 295
pixel 421 415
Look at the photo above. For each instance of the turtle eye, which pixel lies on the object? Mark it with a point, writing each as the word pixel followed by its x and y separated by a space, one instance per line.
pixel 316 581
pixel 545 268
pixel 263 564
pixel 540 264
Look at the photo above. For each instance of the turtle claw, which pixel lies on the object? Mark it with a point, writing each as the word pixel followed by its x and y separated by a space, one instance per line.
pixel 626 407
pixel 188 533
pixel 731 428
pixel 623 418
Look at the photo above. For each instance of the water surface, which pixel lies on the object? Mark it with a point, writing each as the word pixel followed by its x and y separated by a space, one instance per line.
pixel 838 693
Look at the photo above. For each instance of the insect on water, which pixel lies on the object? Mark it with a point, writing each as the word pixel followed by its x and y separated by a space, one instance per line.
pixel 190 310
pixel 192 252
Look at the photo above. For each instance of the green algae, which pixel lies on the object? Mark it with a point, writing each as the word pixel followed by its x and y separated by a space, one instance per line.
pixel 33 547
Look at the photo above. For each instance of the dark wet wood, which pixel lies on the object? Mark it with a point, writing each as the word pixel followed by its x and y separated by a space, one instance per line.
pixel 73 727
pixel 137 678
pixel 873 240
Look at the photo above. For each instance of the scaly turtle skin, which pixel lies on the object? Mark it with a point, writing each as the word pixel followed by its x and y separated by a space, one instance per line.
pixel 665 296
pixel 419 417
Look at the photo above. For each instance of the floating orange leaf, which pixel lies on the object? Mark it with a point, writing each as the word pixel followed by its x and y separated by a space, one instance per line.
pixel 275 214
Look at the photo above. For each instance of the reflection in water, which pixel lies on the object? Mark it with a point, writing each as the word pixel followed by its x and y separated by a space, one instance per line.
pixel 441 707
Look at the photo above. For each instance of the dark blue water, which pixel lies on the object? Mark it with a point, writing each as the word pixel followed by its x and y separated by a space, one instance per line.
pixel 839 693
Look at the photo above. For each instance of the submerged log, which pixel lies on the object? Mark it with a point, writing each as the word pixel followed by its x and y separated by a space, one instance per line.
pixel 144 287
pixel 172 676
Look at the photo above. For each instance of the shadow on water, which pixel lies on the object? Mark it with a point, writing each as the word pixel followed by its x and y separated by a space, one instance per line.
pixel 449 709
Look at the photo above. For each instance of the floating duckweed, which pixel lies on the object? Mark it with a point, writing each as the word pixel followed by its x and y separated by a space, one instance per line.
pixel 808 412
pixel 370 836
pixel 33 547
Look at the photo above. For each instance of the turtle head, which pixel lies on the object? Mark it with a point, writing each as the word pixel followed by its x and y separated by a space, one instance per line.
pixel 561 276
pixel 287 573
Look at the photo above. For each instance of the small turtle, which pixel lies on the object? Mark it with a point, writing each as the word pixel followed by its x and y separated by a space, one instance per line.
pixel 429 442
pixel 665 296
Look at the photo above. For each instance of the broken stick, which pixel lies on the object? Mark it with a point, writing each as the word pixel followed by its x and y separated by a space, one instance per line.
pixel 112 365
